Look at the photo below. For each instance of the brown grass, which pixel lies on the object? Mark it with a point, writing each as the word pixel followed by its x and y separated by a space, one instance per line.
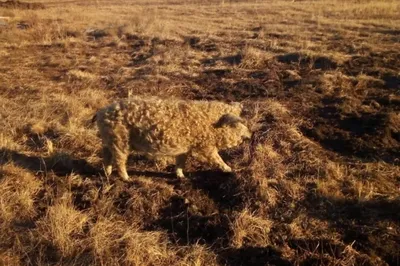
pixel 62 225
pixel 317 185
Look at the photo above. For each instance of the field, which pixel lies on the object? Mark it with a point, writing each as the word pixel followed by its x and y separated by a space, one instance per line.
pixel 318 184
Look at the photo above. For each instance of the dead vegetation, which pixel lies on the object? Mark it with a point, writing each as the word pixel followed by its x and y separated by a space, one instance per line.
pixel 15 4
pixel 318 184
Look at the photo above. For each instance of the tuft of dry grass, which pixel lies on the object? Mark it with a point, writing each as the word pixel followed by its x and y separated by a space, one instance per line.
pixel 250 230
pixel 109 237
pixel 197 255
pixel 62 226
pixel 18 190
pixel 148 248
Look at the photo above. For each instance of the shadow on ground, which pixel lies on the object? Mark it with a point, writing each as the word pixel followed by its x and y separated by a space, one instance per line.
pixel 367 225
pixel 60 163
pixel 225 189
pixel 256 256
pixel 199 213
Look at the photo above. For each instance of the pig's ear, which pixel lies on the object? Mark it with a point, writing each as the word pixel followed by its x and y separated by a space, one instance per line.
pixel 228 120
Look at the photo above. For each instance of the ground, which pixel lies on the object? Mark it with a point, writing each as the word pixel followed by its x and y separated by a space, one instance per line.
pixel 318 184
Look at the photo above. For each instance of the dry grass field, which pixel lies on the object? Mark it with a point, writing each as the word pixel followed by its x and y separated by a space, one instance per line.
pixel 318 184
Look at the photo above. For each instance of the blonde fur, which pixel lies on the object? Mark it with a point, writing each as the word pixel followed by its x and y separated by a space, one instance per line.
pixel 171 127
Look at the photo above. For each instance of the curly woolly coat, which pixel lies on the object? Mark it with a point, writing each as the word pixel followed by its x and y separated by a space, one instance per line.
pixel 170 127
